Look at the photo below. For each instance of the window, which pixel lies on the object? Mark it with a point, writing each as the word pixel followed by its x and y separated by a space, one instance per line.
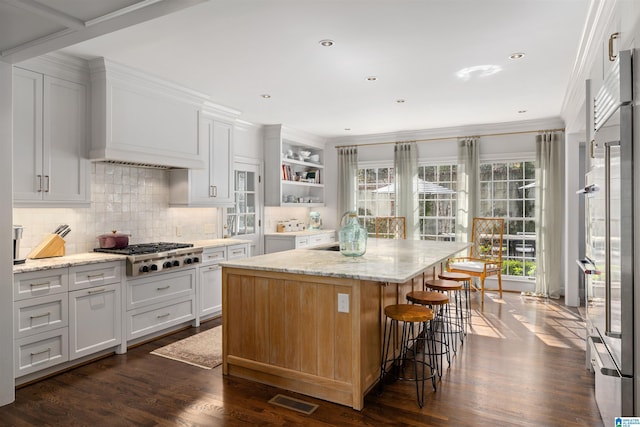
pixel 507 191
pixel 376 195
pixel 437 202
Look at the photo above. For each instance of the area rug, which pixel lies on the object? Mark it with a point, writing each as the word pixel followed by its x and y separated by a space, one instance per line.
pixel 203 349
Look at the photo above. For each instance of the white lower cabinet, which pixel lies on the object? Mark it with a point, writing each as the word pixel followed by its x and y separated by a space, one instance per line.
pixel 297 240
pixel 63 314
pixel 210 301
pixel 158 302
pixel 94 320
pixel 210 277
pixel 40 351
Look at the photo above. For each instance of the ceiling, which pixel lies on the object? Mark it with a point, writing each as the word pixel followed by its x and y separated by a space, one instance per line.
pixel 237 50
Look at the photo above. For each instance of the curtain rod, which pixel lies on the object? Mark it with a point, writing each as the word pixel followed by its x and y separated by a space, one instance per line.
pixel 366 144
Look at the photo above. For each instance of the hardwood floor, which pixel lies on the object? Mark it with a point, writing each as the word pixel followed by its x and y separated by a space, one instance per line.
pixel 521 365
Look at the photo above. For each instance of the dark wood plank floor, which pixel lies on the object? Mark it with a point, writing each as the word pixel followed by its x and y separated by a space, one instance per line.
pixel 521 365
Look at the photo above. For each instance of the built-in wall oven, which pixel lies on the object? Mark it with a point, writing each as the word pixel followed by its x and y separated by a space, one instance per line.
pixel 609 244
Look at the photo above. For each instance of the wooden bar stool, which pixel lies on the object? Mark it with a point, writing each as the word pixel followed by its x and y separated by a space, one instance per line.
pixel 456 321
pixel 437 302
pixel 410 315
pixel 465 279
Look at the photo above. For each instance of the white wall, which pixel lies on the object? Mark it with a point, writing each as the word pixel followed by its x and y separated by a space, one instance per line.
pixel 7 390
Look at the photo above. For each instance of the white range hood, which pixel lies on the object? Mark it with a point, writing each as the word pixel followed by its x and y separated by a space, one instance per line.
pixel 138 118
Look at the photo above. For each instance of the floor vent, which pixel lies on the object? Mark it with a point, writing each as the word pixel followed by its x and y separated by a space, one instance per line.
pixel 293 404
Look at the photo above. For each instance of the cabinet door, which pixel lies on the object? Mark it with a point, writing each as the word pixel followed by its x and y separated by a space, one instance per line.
pixel 94 320
pixel 27 135
pixel 221 159
pixel 210 290
pixel 65 153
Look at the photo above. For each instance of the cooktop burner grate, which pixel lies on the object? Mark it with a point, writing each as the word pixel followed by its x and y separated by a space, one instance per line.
pixel 145 248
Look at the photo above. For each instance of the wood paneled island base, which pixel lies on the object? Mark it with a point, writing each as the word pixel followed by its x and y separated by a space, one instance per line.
pixel 310 331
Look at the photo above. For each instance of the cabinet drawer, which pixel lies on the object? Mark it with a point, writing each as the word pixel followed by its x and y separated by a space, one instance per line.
pixel 214 254
pixel 40 283
pixel 40 314
pixel 237 251
pixel 151 290
pixel 146 320
pixel 320 239
pixel 85 276
pixel 302 242
pixel 40 351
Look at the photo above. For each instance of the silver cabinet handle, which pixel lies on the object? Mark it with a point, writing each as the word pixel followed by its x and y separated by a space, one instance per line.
pixel 46 189
pixel 40 315
pixel 97 291
pixel 612 55
pixel 33 285
pixel 216 267
pixel 213 191
pixel 47 350
pixel 163 288
pixel 238 251
pixel 95 276
pixel 39 183
pixel 160 316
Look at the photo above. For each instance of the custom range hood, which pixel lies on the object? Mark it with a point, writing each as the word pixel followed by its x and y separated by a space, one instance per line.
pixel 140 119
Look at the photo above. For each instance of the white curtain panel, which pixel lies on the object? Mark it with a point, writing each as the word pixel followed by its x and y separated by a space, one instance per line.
pixel 468 187
pixel 406 184
pixel 347 180
pixel 549 213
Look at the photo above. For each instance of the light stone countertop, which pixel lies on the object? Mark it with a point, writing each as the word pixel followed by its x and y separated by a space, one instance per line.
pixel 98 257
pixel 213 243
pixel 301 233
pixel 66 261
pixel 385 260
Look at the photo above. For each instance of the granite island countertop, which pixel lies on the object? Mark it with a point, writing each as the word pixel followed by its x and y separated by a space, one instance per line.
pixel 385 260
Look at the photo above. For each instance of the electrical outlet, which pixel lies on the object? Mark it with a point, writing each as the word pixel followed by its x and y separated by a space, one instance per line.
pixel 343 303
pixel 178 230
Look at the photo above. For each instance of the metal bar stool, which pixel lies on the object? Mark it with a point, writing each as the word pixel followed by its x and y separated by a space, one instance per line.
pixel 465 279
pixel 456 320
pixel 411 340
pixel 437 302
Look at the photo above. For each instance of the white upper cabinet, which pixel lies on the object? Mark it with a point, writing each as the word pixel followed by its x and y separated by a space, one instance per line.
pixel 50 165
pixel 213 184
pixel 294 168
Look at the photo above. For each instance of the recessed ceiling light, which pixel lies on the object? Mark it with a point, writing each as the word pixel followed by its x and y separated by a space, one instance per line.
pixel 347 129
pixel 517 55
pixel 372 78
pixel 522 111
pixel 265 96
pixel 326 43
pixel 400 101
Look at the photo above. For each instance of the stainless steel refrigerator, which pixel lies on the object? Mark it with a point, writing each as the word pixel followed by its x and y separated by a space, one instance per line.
pixel 609 246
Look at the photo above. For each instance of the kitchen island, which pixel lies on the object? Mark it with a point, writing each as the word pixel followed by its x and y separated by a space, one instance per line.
pixel 310 321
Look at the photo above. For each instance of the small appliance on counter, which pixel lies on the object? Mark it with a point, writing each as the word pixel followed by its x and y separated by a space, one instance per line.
pixel 315 222
pixel 17 236
pixel 52 245
pixel 290 225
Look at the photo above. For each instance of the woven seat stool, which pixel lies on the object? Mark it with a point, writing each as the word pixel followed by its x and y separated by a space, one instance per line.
pixel 465 279
pixel 437 302
pixel 399 364
pixel 453 290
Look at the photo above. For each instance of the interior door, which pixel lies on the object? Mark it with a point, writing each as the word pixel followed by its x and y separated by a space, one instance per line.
pixel 244 220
